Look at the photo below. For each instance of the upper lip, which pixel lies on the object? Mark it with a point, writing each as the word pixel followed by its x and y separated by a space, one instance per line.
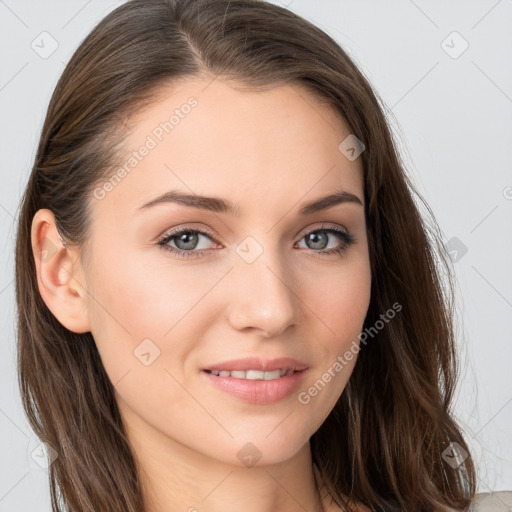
pixel 256 363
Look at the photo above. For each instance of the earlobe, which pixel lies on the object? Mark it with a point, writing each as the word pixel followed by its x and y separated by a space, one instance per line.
pixel 59 274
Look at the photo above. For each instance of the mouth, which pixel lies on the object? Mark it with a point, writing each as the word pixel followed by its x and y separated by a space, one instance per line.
pixel 254 374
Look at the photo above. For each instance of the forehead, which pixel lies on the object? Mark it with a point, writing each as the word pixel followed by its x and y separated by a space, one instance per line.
pixel 210 137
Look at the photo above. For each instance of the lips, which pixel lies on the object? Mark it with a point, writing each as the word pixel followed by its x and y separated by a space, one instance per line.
pixel 256 380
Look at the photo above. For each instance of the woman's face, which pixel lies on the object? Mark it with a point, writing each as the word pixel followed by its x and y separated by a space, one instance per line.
pixel 251 283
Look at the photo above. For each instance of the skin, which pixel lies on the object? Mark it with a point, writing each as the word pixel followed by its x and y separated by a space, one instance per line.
pixel 269 152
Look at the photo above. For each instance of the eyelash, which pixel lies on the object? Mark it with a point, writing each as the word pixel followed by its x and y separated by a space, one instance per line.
pixel 343 236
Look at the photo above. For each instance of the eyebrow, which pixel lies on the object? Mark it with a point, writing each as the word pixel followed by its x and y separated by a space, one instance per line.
pixel 216 204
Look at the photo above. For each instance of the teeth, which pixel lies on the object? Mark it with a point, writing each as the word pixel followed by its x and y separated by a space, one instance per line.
pixel 253 374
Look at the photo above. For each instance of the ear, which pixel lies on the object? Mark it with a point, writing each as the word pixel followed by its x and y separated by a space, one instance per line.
pixel 59 274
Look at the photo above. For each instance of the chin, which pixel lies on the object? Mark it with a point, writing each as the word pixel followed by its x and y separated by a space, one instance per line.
pixel 260 449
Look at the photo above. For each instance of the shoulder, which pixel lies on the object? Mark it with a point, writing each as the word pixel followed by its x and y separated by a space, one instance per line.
pixel 499 501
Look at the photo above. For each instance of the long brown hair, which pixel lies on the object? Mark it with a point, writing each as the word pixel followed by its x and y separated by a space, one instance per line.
pixel 382 444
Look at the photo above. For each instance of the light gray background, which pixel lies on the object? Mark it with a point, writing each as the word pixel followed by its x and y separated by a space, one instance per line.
pixel 452 117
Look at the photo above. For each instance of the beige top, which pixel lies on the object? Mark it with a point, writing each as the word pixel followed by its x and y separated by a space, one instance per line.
pixel 499 501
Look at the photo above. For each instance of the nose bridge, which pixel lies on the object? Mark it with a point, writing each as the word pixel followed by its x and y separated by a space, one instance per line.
pixel 264 295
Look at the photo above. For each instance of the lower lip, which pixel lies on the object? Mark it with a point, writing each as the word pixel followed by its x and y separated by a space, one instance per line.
pixel 258 391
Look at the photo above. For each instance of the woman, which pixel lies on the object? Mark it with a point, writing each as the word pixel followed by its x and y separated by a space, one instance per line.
pixel 228 299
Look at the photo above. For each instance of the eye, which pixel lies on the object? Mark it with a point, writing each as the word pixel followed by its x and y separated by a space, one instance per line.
pixel 186 241
pixel 319 239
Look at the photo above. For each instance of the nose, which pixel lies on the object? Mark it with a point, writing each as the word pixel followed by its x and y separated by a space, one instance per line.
pixel 263 295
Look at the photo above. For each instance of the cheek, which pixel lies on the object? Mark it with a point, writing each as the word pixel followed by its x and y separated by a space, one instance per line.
pixel 133 302
pixel 342 307
pixel 340 300
pixel 345 303
pixel 340 297
pixel 141 300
